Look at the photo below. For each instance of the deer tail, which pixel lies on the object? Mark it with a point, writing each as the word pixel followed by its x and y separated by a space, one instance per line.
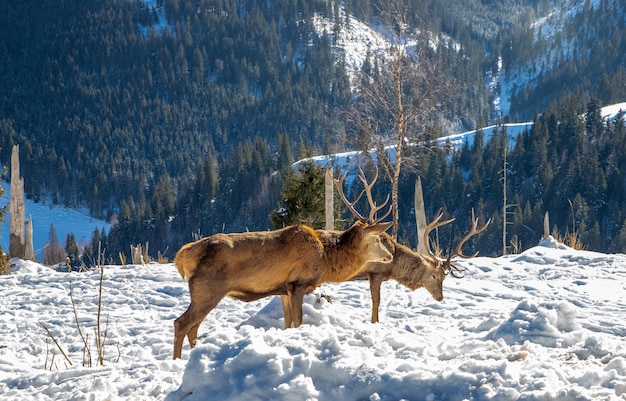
pixel 186 260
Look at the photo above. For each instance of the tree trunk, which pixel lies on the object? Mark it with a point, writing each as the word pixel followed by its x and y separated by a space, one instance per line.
pixel 395 182
pixel 420 216
pixel 16 209
pixel 29 248
pixel 328 204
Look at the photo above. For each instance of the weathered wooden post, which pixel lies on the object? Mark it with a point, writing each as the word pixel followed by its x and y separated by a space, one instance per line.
pixel 328 201
pixel 420 216
pixel 29 248
pixel 20 244
pixel 16 207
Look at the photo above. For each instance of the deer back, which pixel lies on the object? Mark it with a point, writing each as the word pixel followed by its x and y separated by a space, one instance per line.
pixel 254 261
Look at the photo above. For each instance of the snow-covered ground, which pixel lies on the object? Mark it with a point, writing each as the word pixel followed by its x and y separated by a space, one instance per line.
pixel 548 324
pixel 613 111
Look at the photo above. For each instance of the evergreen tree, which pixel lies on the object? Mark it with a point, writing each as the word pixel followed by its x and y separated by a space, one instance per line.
pixel 619 243
pixel 53 253
pixel 302 198
pixel 283 152
pixel 4 258
pixel 72 251
pixel 96 244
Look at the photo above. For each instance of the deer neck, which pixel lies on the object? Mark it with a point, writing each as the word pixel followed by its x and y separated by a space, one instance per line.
pixel 409 267
pixel 343 257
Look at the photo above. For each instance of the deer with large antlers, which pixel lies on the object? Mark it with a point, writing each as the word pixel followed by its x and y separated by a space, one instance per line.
pixel 415 270
pixel 332 239
pixel 411 269
pixel 248 266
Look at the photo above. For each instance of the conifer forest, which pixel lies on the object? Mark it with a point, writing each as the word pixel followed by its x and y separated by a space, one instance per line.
pixel 171 118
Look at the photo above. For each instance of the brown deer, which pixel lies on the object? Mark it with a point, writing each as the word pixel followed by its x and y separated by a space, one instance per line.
pixel 411 269
pixel 415 270
pixel 332 239
pixel 249 266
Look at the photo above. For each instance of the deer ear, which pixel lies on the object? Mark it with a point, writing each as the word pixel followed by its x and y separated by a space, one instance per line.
pixel 378 228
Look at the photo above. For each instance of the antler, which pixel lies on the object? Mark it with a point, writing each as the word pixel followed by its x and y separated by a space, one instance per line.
pixel 434 224
pixel 372 219
pixel 449 264
pixel 473 231
pixel 339 184
pixel 368 192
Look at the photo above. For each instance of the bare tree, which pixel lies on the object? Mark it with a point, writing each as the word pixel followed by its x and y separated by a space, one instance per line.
pixel 505 205
pixel 401 96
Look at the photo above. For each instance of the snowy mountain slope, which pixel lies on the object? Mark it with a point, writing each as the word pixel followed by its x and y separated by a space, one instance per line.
pixel 349 161
pixel 65 221
pixel 81 225
pixel 355 40
pixel 556 47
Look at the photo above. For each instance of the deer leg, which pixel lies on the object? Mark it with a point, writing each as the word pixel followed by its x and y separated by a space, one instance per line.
pixel 187 325
pixel 184 325
pixel 192 335
pixel 189 322
pixel 296 303
pixel 285 299
pixel 375 282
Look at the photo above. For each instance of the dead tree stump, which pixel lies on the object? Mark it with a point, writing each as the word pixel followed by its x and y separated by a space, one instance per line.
pixel 20 238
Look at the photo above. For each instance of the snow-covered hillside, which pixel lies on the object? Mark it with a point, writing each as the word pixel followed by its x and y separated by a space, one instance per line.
pixel 82 225
pixel 43 215
pixel 349 161
pixel 355 40
pixel 549 31
pixel 548 324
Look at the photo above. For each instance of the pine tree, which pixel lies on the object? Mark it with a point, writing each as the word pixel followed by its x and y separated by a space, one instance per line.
pixel 72 251
pixel 96 244
pixel 53 253
pixel 303 198
pixel 619 243
pixel 283 152
pixel 4 258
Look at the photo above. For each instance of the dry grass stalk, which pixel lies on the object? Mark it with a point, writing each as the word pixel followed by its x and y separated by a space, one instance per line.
pixel 56 342
pixel 100 337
